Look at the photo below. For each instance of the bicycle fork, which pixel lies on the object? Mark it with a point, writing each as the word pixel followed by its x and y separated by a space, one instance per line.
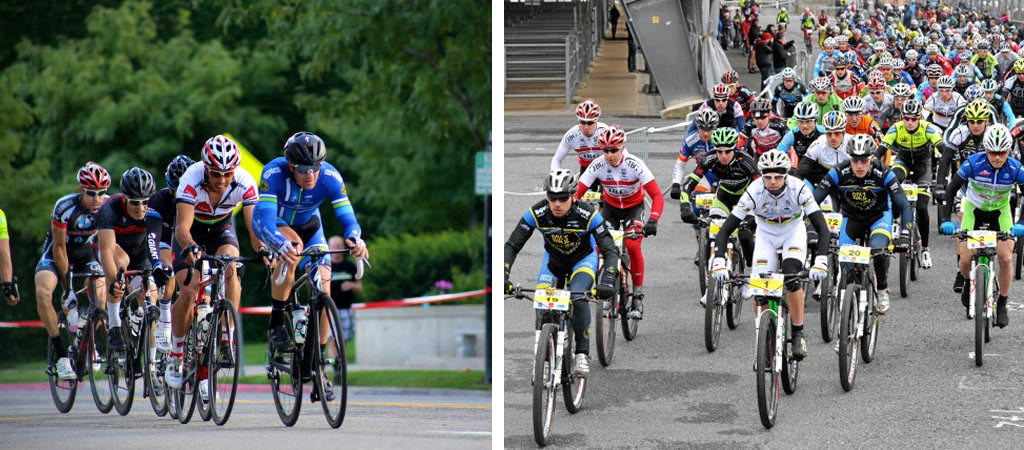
pixel 559 354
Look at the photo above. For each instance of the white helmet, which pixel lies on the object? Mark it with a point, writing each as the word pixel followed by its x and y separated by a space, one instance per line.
pixel 774 161
pixel 831 42
pixel 997 139
pixel 853 104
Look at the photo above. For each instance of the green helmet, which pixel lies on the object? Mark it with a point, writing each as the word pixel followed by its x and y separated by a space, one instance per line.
pixel 724 137
pixel 977 109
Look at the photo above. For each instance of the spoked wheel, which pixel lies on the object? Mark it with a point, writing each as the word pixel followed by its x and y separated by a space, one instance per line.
pixel 122 371
pixel 222 362
pixel 185 399
pixel 332 368
pixel 573 386
pixel 153 371
pixel 629 326
pixel 980 318
pixel 871 318
pixel 915 252
pixel 734 300
pixel 63 391
pixel 905 263
pixel 829 303
pixel 702 260
pixel 286 378
pixel 99 380
pixel 605 319
pixel 766 372
pixel 713 312
pixel 790 366
pixel 544 385
pixel 848 337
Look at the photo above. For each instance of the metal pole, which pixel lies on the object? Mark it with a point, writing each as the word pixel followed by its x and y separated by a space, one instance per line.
pixel 487 282
pixel 568 80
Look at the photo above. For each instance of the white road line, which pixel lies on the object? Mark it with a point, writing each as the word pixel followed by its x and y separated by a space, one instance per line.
pixel 470 433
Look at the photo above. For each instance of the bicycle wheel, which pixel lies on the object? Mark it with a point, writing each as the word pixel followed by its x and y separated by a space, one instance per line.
pixel 915 252
pixel 188 395
pixel 544 385
pixel 765 370
pixel 713 312
pixel 734 299
pixel 99 380
pixel 605 324
pixel 702 259
pixel 285 378
pixel 630 326
pixel 871 317
pixel 153 369
pixel 222 350
pixel 790 366
pixel 63 391
pixel 980 318
pixel 122 375
pixel 573 386
pixel 848 337
pixel 1018 258
pixel 332 371
pixel 905 263
pixel 828 302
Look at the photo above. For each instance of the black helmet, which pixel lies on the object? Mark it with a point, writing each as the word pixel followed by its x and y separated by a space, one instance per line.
pixel 176 168
pixel 305 149
pixel 137 183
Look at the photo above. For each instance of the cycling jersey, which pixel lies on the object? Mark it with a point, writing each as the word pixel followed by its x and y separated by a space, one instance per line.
pixel 911 143
pixel 866 126
pixel 733 178
pixel 940 112
pixel 162 205
pixel 984 67
pixel 586 147
pixel 623 185
pixel 1013 92
pixel 825 63
pixel 788 97
pixel 763 139
pixel 80 225
pixel 744 97
pixel 846 86
pixel 567 239
pixel 192 190
pixel 833 103
pixel 961 88
pixel 960 144
pixel 731 116
pixel 3 226
pixel 988 189
pixel 283 202
pixel 798 141
pixel 138 238
pixel 866 198
pixel 821 158
pixel 693 147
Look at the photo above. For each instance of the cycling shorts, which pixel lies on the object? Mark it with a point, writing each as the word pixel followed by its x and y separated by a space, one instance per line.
pixel 766 245
pixel 854 229
pixel 621 218
pixel 551 271
pixel 312 235
pixel 208 237
pixel 919 172
pixel 997 220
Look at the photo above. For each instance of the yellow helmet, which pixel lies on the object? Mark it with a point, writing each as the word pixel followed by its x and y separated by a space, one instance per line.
pixel 1018 66
pixel 978 109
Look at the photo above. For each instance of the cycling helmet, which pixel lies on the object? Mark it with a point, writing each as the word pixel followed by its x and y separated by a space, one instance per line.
pixel 945 82
pixel 830 42
pixel 706 119
pixel 912 55
pixel 879 46
pixel 93 176
pixel 1004 47
pixel 911 108
pixel 833 121
pixel 1018 65
pixel 860 146
pixel 989 85
pixel 773 161
pixel 977 109
pixel 960 71
pixel 730 77
pixel 176 168
pixel 902 90
pixel 720 91
pixel 997 139
pixel 965 55
pixel 806 110
pixel 221 154
pixel 560 181
pixel 841 61
pixel 613 137
pixel 876 80
pixel 886 61
pixel 853 104
pixel 918 41
pixel 137 183
pixel 934 71
pixel 931 49
pixel 588 111
pixel 983 44
pixel 960 44
pixel 821 84
pixel 842 38
pixel 305 149
pixel 788 73
pixel 973 91
pixel 760 106
pixel 725 137
pixel 898 63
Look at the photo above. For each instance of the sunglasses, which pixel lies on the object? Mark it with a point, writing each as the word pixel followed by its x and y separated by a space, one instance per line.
pixel 584 123
pixel 876 92
pixel 611 149
pixel 217 174
pixel 721 99
pixel 773 177
pixel 95 193
pixel 977 122
pixel 724 151
pixel 138 201
pixel 559 198
pixel 911 119
pixel 991 153
pixel 834 133
pixel 303 169
pixel 860 160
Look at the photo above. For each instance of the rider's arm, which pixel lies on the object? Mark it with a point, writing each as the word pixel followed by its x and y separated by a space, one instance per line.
pixel 586 180
pixel 60 249
pixel 945 163
pixel 740 120
pixel 340 203
pixel 826 186
pixel 605 242
pixel 814 215
pixel 1008 112
pixel 247 212
pixel 154 227
pixel 520 234
pixel 563 149
pixel 264 218
pixel 955 183
pixel 6 269
pixel 787 141
pixel 183 224
pixel 657 200
pixel 887 141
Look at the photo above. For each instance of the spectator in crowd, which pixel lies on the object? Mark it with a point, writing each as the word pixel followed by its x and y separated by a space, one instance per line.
pixel 344 285
pixel 764 55
pixel 631 60
pixel 613 17
pixel 6 268
pixel 782 52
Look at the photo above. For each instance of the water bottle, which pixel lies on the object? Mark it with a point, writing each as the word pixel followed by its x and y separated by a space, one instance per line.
pixel 202 313
pixel 72 305
pixel 299 324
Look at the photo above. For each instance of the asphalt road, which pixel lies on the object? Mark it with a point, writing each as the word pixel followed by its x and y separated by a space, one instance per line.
pixel 664 390
pixel 376 418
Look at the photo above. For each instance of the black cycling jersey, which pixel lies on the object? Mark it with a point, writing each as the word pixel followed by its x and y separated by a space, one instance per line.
pixel 733 178
pixel 567 239
pixel 80 224
pixel 162 206
pixel 727 118
pixel 958 145
pixel 789 98
pixel 864 198
pixel 1015 95
pixel 138 238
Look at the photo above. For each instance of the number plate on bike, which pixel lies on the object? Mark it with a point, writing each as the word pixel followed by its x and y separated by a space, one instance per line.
pixel 834 221
pixel 617 235
pixel 981 239
pixel 703 201
pixel 854 254
pixel 910 190
pixel 767 285
pixel 551 299
pixel 592 196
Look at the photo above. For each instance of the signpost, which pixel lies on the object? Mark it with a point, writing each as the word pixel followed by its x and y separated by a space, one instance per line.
pixel 482 186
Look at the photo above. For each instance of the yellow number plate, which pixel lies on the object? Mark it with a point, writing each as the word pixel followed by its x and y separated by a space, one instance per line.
pixel 834 221
pixel 592 196
pixel 704 200
pixel 826 205
pixel 767 285
pixel 617 235
pixel 854 254
pixel 911 191
pixel 981 239
pixel 551 299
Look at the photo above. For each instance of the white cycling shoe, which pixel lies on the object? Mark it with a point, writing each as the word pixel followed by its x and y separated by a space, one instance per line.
pixel 883 301
pixel 582 365
pixel 172 375
pixel 64 369
pixel 926 259
pixel 204 390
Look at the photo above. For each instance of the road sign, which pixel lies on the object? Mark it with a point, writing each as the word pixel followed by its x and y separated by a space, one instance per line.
pixel 482 185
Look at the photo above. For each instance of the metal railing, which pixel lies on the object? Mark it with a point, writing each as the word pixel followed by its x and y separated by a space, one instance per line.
pixel 639 142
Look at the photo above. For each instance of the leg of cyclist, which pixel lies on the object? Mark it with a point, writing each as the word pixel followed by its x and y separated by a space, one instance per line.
pixel 121 261
pixel 922 174
pixel 1004 252
pixel 582 279
pixel 279 293
pixel 181 313
pixel 46 282
pixel 879 239
pixel 966 223
pixel 163 324
pixel 794 253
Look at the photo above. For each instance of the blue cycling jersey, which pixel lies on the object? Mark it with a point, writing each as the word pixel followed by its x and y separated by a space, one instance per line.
pixel 693 147
pixel 282 201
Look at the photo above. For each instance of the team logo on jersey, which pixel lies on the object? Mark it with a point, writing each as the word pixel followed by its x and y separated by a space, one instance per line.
pixel 204 207
pixel 264 186
pixel 984 173
pixel 84 222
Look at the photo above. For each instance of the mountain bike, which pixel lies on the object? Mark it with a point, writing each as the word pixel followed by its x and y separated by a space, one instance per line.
pixel 722 298
pixel 86 341
pixel 828 288
pixel 703 204
pixel 910 260
pixel 309 360
pixel 859 317
pixel 774 363
pixel 137 324
pixel 551 367
pixel 984 284
pixel 620 305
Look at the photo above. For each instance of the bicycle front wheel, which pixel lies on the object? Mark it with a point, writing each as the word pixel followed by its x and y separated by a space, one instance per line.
pixel 713 311
pixel 99 380
pixel 1018 258
pixel 702 260
pixel 63 391
pixel 153 370
pixel 734 294
pixel 790 366
pixel 605 324
pixel 122 374
pixel 829 303
pixel 630 326
pixel 222 350
pixel 980 318
pixel 544 385
pixel 331 366
pixel 848 337
pixel 573 386
pixel 186 398
pixel 905 263
pixel 765 371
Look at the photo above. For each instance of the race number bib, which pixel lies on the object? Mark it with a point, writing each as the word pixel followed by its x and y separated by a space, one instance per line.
pixel 981 239
pixel 592 196
pixel 834 221
pixel 703 201
pixel 911 191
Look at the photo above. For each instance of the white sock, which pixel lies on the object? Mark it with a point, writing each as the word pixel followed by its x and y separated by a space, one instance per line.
pixel 177 344
pixel 152 353
pixel 114 314
pixel 165 310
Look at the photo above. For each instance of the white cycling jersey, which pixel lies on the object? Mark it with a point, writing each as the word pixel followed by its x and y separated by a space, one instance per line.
pixel 941 112
pixel 192 190
pixel 780 224
pixel 585 147
pixel 622 184
pixel 874 109
pixel 828 157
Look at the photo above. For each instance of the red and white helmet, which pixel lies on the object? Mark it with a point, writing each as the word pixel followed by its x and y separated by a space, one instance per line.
pixel 93 176
pixel 221 154
pixel 588 111
pixel 720 91
pixel 613 137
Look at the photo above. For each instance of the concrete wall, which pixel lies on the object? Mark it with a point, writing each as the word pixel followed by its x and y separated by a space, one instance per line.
pixel 421 337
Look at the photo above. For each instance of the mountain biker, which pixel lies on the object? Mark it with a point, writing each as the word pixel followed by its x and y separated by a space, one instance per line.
pixel 582 137
pixel 800 136
pixel 788 93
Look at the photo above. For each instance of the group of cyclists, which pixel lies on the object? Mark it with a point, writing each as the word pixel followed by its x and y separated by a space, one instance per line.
pixel 925 103
pixel 165 231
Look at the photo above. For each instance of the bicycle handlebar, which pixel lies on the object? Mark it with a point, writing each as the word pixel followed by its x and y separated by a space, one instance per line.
pixel 518 292
pixel 315 253
pixel 222 260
